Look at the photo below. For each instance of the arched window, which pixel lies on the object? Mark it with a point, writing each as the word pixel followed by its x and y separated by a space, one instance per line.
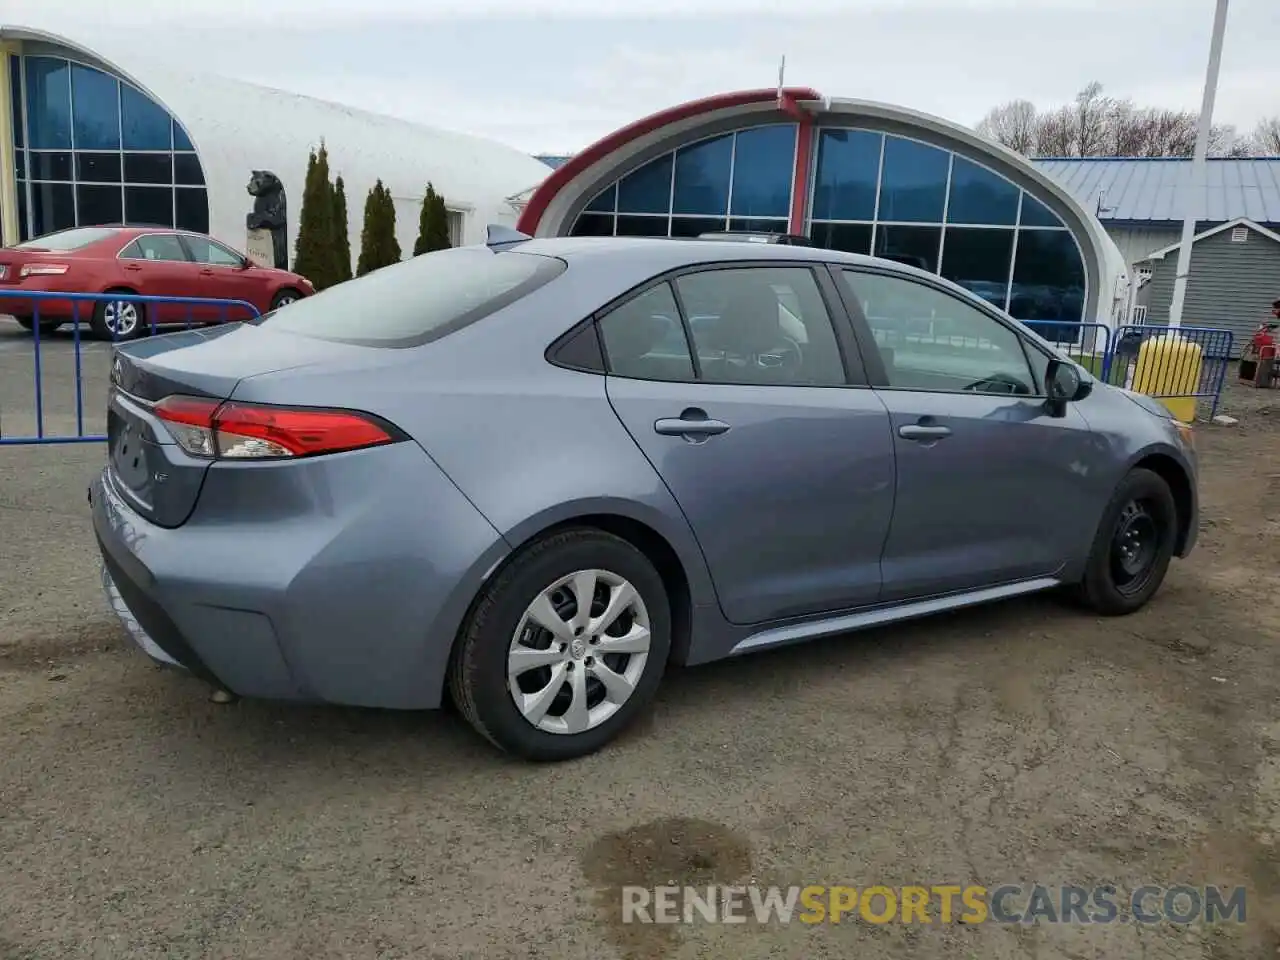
pixel 737 181
pixel 946 213
pixel 92 150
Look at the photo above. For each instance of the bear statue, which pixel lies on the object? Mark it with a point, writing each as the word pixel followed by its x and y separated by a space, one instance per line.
pixel 270 213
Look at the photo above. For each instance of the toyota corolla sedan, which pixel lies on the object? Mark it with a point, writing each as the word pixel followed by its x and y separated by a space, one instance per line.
pixel 530 476
pixel 143 261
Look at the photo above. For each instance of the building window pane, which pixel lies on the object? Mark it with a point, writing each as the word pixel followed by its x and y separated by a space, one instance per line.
pixel 605 201
pixel 593 225
pixel 193 210
pixel 695 226
pixel 180 139
pixel 148 206
pixel 1048 278
pixel 15 99
pixel 914 183
pixel 647 190
pixel 95 98
pixel 1036 214
pixel 52 208
pixel 24 229
pixel 917 246
pixel 49 103
pixel 98 167
pixel 20 158
pixel 848 167
pixel 146 125
pixel 702 177
pixel 186 169
pixel 758 226
pixel 849 237
pixel 979 261
pixel 980 196
pixel 763 160
pixel 642 226
pixel 99 205
pixel 48 166
pixel 148 168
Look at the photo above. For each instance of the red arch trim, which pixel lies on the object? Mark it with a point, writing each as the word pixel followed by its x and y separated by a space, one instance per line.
pixel 789 103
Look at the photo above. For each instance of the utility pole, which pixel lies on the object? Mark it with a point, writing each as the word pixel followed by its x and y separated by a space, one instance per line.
pixel 1195 196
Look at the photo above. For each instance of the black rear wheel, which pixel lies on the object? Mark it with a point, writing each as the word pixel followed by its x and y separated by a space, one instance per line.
pixel 1133 546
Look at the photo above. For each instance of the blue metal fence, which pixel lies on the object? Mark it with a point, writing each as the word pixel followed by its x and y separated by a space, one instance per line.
pixel 1171 372
pixel 1089 344
pixel 47 310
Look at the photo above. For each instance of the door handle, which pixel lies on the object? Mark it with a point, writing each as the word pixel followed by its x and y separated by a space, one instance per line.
pixel 132 266
pixel 691 423
pixel 919 431
pixel 206 272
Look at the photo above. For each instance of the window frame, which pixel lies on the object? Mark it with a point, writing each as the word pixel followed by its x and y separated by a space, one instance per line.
pixel 851 352
pixel 137 241
pixel 870 350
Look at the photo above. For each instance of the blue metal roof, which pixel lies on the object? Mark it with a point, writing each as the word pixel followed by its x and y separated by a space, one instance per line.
pixel 1155 190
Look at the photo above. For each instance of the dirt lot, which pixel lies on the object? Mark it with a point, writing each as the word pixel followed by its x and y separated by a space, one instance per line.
pixel 1022 743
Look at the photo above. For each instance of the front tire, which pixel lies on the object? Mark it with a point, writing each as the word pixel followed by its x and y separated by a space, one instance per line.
pixel 564 648
pixel 1133 546
pixel 284 298
pixel 118 320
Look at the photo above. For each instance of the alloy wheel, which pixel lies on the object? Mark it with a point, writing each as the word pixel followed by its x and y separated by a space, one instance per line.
pixel 121 318
pixel 578 652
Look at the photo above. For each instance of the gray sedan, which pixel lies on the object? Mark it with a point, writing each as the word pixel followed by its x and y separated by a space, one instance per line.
pixel 529 476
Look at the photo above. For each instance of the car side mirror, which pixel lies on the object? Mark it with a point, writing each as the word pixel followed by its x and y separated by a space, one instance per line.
pixel 1064 384
pixel 245 263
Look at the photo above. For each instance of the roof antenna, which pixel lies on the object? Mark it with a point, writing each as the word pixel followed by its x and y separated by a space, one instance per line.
pixel 498 238
pixel 782 70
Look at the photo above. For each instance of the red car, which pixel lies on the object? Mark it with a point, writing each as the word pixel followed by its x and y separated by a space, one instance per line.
pixel 150 261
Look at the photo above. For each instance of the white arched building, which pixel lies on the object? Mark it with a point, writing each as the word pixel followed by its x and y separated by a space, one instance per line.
pixel 87 137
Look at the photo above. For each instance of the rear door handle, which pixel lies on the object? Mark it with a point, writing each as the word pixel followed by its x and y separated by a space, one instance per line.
pixel 691 423
pixel 918 431
pixel 206 272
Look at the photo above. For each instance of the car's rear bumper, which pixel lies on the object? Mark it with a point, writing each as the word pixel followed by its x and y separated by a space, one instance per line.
pixel 355 601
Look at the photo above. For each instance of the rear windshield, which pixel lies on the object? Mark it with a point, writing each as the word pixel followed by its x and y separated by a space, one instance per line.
pixel 68 239
pixel 419 300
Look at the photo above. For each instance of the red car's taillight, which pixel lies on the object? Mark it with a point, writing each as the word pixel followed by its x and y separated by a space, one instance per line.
pixel 219 429
pixel 43 269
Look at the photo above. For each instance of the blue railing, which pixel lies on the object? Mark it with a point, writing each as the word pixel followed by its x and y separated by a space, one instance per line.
pixel 222 308
pixel 1163 375
pixel 1089 344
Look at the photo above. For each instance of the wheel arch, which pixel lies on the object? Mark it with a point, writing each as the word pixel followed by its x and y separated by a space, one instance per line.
pixel 1172 471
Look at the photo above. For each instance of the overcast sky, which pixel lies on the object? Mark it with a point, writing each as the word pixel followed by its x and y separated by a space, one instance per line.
pixel 553 75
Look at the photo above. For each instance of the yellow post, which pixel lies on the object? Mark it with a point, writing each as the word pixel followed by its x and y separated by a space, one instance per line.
pixel 1168 367
pixel 8 151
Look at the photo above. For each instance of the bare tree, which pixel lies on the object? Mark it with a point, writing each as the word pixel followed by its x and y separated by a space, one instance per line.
pixel 1090 120
pixel 1013 125
pixel 1055 133
pixel 1265 140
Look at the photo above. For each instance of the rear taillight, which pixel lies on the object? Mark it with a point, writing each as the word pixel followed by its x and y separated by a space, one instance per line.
pixel 219 429
pixel 43 269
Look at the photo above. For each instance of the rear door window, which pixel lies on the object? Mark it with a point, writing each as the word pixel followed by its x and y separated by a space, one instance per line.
pixel 155 246
pixel 419 300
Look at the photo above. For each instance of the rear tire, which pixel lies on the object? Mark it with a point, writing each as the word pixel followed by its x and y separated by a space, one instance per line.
pixel 129 316
pixel 577 694
pixel 46 326
pixel 1133 546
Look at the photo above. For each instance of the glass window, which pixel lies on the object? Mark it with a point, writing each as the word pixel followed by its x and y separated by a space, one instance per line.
pixel 702 177
pixel 204 250
pixel 930 340
pixel 191 210
pixel 15 99
pixel 644 339
pixel 917 246
pixel 97 204
pixel 149 206
pixel 53 207
pixel 979 261
pixel 180 139
pixel 847 170
pixel 647 190
pixel 642 226
pixel 420 299
pixel 1036 214
pixel 763 160
pixel 758 225
pixel 48 103
pixel 24 229
pixel 186 169
pixel 98 167
pixel 20 165
pixel 49 166
pixel 148 168
pixel 604 202
pixel 761 325
pixel 593 225
pixel 695 226
pixel 69 240
pixel 980 196
pixel 95 99
pixel 157 246
pixel 146 126
pixel 849 237
pixel 1048 281
pixel 913 185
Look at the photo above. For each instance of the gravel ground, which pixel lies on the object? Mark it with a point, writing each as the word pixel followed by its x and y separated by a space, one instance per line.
pixel 1020 743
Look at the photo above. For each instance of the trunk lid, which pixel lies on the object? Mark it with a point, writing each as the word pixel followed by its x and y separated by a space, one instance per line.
pixel 147 467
